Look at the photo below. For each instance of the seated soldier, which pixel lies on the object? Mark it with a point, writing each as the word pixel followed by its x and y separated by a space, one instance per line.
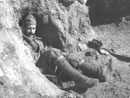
pixel 50 59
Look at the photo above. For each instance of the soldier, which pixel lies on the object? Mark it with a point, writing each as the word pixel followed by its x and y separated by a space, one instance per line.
pixel 49 59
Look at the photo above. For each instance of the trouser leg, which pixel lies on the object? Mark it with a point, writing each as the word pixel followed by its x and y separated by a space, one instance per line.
pixel 96 71
pixel 79 78
pixel 53 58
pixel 89 69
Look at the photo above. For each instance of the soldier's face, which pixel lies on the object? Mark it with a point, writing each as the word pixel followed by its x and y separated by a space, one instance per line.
pixel 30 30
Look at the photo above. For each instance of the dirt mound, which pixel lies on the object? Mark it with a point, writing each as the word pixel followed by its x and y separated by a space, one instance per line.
pixel 114 37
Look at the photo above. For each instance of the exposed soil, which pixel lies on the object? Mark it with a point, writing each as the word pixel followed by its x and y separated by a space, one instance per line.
pixel 116 37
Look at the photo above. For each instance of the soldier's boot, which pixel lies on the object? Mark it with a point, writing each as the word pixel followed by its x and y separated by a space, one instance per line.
pixel 80 79
pixel 92 70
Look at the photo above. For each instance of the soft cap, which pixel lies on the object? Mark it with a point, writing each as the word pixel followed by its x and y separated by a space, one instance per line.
pixel 30 20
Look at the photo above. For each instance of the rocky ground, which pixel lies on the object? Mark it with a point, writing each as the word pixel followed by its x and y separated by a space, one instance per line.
pixel 113 36
pixel 117 37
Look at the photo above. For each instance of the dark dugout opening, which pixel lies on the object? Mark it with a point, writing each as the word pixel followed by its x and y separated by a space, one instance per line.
pixel 48 31
pixel 107 11
pixel 45 29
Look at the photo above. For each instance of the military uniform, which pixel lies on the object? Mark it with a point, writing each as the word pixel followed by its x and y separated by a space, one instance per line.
pixel 91 63
pixel 35 45
pixel 47 59
pixel 50 60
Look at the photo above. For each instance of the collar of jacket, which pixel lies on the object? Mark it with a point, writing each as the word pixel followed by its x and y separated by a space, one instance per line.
pixel 34 37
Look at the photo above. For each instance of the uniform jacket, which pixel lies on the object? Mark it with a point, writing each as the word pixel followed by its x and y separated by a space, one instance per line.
pixel 35 45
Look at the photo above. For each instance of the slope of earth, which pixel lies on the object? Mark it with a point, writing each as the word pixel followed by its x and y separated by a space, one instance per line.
pixel 114 36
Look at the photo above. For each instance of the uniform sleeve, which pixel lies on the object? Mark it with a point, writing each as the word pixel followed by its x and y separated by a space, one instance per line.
pixel 42 47
pixel 40 44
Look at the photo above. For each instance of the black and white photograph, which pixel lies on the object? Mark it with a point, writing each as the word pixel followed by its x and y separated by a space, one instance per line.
pixel 64 48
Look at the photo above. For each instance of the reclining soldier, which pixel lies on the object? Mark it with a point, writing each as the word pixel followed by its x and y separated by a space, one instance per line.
pixel 49 59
